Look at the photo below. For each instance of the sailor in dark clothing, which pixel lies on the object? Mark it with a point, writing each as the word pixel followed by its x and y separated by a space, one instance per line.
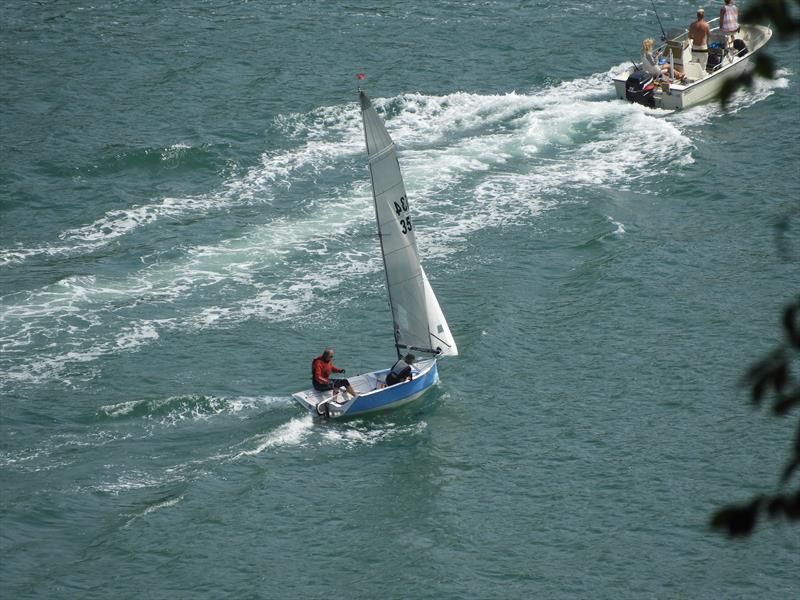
pixel 401 371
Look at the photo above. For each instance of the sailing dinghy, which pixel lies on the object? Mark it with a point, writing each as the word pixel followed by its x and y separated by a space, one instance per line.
pixel 419 324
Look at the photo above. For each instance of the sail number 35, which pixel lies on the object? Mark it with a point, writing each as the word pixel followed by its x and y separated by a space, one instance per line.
pixel 402 207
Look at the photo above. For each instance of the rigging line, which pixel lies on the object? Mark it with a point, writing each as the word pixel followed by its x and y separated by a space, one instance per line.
pixel 418 349
pixel 433 335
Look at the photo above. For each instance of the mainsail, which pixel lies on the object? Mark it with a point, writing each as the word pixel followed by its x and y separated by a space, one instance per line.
pixel 419 323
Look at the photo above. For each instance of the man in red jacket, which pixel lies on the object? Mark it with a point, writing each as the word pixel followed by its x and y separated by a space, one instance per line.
pixel 321 369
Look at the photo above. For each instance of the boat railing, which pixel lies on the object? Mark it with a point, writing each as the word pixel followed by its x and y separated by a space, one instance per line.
pixel 716 36
pixel 681 35
pixel 733 55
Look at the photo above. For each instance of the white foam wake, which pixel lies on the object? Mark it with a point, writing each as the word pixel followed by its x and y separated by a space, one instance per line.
pixel 470 162
pixel 327 133
pixel 330 133
pixel 761 89
pixel 292 433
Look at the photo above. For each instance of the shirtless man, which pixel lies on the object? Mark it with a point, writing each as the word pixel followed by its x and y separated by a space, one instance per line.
pixel 698 33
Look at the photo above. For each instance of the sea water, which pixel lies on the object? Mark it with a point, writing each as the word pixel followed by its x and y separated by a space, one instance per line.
pixel 186 221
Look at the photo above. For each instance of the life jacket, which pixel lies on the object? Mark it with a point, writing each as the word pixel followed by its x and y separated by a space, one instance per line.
pixel 398 373
pixel 325 369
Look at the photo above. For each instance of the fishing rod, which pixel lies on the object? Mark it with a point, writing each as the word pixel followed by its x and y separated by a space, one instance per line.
pixel 635 66
pixel 663 33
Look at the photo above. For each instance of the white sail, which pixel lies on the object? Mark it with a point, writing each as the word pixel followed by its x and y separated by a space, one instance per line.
pixel 437 325
pixel 418 319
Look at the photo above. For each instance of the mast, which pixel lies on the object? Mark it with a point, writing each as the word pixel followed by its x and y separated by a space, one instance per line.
pixel 365 104
pixel 418 321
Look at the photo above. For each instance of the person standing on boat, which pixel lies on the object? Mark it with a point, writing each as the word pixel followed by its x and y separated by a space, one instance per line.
pixel 321 369
pixel 699 32
pixel 729 22
pixel 401 371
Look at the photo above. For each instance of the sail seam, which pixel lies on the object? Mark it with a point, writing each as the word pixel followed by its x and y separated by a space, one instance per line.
pixel 400 249
pixel 417 275
pixel 380 153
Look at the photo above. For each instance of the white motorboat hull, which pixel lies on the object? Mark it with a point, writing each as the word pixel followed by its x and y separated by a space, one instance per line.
pixel 699 88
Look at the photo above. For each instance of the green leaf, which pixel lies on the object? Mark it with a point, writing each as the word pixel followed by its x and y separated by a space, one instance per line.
pixel 789 469
pixel 738 520
pixel 790 318
pixel 786 402
pixel 765 66
pixel 788 505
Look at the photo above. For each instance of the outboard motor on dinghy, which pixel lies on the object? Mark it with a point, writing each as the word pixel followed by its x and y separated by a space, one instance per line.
pixel 639 88
pixel 323 410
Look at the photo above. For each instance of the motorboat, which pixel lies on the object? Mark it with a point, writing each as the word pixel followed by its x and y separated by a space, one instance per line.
pixel 698 84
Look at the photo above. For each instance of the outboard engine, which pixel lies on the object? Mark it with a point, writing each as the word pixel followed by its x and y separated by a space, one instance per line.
pixel 639 88
pixel 323 410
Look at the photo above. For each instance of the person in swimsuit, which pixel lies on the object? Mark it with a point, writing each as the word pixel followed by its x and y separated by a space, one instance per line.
pixel 729 23
pixel 698 33
pixel 650 62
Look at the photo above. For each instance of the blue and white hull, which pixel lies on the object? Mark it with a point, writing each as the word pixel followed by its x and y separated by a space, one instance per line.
pixel 371 396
